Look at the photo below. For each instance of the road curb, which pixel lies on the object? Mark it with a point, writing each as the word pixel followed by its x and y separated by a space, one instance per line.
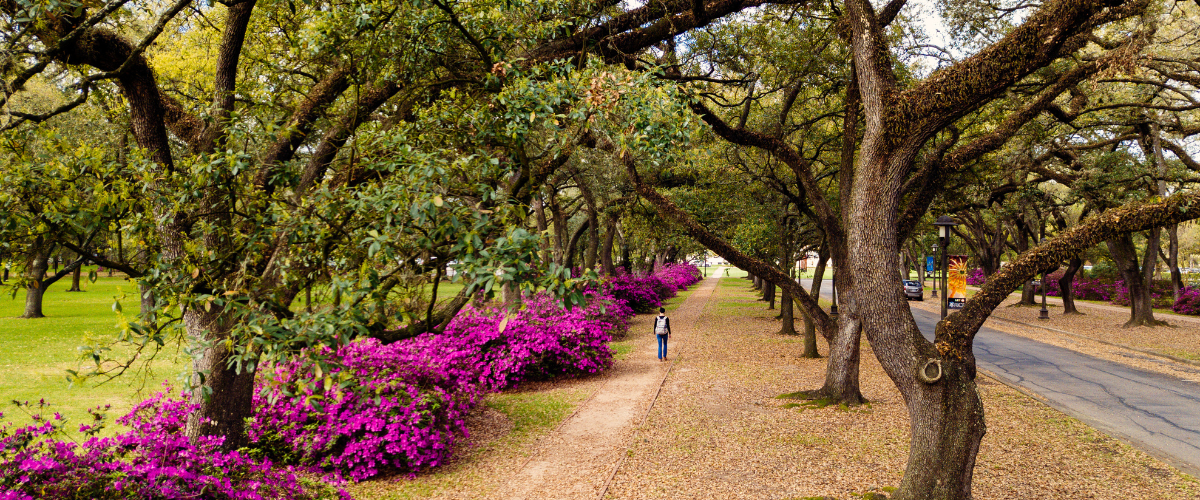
pixel 1105 342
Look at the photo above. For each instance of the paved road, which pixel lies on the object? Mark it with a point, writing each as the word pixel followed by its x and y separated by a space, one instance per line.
pixel 1157 413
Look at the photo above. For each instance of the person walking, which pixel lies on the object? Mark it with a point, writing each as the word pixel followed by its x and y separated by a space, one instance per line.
pixel 662 329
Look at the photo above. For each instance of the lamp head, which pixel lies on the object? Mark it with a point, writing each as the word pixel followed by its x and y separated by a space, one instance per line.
pixel 944 223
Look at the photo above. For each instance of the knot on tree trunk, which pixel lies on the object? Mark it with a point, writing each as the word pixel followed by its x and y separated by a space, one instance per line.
pixel 930 372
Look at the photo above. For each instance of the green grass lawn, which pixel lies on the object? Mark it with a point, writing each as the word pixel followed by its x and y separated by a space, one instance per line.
pixel 35 353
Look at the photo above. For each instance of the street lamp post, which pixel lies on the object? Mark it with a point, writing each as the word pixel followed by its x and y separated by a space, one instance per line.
pixel 944 223
pixel 833 312
pixel 935 255
pixel 1044 313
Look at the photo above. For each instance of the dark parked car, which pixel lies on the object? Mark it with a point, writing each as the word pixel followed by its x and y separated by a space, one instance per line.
pixel 913 290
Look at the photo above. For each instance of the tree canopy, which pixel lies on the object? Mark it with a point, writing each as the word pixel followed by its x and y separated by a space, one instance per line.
pixel 235 156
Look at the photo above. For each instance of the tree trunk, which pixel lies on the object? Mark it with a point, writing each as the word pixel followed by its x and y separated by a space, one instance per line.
pixel 785 312
pixel 560 228
pixel 539 211
pixel 33 301
pixel 570 250
pixel 769 294
pixel 1172 230
pixel 39 282
pixel 947 425
pixel 626 257
pixel 841 368
pixel 819 272
pixel 1173 262
pixel 945 413
pixel 1124 254
pixel 671 256
pixel 35 274
pixel 1028 295
pixel 1149 272
pixel 75 275
pixel 225 396
pixel 810 336
pixel 606 250
pixel 592 250
pixel 1065 288
pixel 593 222
pixel 921 270
pixel 146 293
pixel 510 293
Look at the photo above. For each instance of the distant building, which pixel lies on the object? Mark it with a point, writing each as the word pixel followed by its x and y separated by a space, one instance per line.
pixel 809 261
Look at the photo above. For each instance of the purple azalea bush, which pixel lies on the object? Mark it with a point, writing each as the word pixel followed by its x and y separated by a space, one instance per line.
pixel 646 293
pixel 388 409
pixel 976 277
pixel 154 459
pixel 1112 291
pixel 1189 301
pixel 640 293
pixel 679 276
pixel 1093 289
pixel 406 407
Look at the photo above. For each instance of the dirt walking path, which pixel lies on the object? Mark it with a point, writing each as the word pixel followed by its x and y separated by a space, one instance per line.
pixel 578 459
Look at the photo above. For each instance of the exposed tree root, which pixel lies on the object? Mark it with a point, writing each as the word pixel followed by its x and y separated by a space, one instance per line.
pixel 1146 322
pixel 821 398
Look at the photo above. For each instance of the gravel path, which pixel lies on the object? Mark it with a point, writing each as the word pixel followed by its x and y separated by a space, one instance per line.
pixel 578 459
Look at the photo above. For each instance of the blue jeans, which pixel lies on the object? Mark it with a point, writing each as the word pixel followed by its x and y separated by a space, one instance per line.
pixel 662 346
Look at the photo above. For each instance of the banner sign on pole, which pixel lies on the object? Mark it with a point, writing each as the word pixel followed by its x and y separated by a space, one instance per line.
pixel 957 282
pixel 929 264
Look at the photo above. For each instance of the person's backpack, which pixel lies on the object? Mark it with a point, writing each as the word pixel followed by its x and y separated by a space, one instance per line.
pixel 660 325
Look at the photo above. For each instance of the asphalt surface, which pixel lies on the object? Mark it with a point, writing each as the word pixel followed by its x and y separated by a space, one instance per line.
pixel 1157 413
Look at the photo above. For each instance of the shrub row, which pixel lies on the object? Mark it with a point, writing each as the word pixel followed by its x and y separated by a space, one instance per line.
pixel 645 293
pixel 406 405
pixel 1114 291
pixel 402 405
